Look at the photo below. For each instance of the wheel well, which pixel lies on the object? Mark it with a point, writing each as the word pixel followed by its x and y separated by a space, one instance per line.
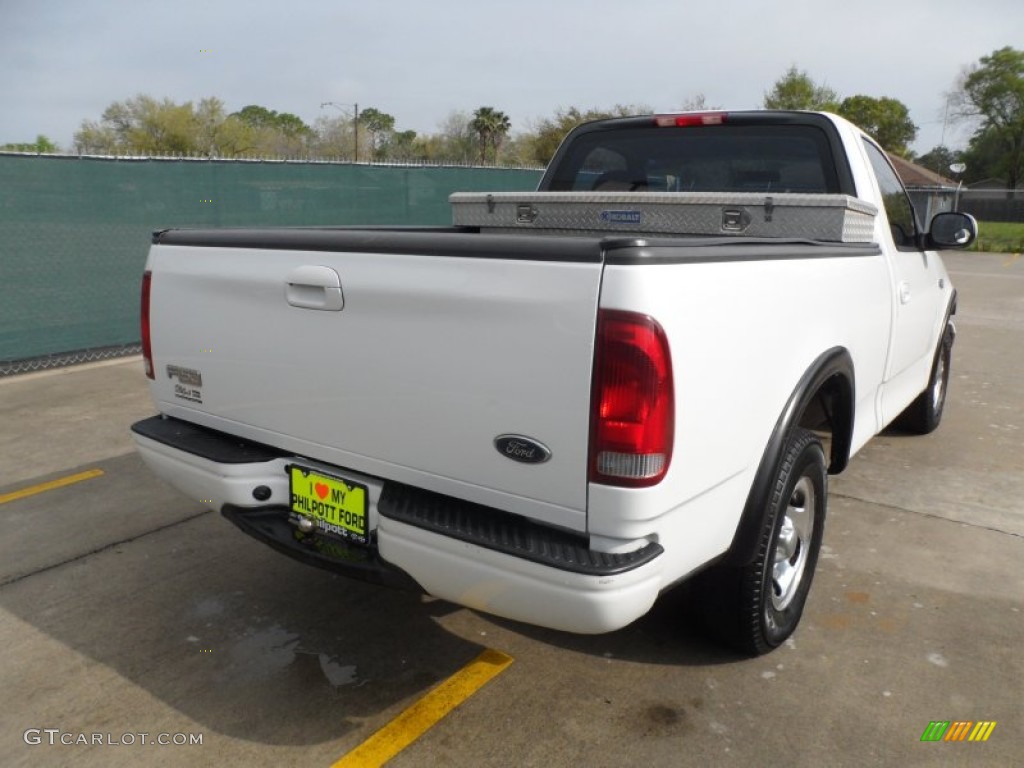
pixel 829 414
pixel 822 401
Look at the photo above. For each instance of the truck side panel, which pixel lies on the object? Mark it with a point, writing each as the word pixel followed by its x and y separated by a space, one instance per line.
pixel 734 377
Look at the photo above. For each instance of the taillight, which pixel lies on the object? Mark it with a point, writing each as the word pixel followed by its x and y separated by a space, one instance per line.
pixel 691 119
pixel 147 348
pixel 633 401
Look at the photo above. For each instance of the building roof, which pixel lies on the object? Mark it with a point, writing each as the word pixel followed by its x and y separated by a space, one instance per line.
pixel 918 177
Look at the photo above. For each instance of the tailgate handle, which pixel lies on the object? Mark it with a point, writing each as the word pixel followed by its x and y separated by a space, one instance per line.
pixel 314 287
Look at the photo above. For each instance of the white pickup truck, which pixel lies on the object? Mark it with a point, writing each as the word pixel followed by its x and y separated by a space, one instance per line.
pixel 573 399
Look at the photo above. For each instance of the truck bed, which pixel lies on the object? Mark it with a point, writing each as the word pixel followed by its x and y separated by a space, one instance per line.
pixel 434 354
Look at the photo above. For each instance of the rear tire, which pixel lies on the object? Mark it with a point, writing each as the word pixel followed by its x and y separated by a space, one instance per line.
pixel 757 606
pixel 924 414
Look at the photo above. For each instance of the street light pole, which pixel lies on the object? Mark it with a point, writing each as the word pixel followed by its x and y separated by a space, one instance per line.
pixel 355 121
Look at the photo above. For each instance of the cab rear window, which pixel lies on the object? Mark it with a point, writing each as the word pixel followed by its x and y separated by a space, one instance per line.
pixel 718 158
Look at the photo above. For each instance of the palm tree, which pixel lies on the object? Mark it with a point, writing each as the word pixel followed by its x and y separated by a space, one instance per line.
pixel 491 127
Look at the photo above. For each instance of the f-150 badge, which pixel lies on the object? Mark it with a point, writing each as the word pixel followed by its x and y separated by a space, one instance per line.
pixel 522 449
pixel 189 383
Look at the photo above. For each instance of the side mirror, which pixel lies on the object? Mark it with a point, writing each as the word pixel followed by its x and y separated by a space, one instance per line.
pixel 952 230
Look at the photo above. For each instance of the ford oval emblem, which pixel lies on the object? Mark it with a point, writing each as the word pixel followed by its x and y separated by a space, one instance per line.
pixel 522 449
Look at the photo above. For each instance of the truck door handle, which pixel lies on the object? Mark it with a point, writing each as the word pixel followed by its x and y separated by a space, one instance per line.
pixel 904 293
pixel 314 287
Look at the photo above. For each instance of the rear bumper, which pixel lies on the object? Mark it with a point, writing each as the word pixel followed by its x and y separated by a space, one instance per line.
pixel 474 556
pixel 515 588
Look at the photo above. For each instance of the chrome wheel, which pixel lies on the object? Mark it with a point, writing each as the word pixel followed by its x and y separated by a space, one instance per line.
pixel 794 544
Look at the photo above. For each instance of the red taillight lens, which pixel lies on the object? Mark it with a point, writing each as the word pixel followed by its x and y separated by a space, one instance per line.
pixel 695 118
pixel 633 401
pixel 147 349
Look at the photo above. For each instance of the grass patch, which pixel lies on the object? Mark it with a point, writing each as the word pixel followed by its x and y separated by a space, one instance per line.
pixel 1000 237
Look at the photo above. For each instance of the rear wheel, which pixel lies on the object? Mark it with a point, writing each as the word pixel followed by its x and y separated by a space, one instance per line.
pixel 924 414
pixel 755 607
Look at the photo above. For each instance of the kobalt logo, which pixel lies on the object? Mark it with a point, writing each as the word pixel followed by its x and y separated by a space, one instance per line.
pixel 522 449
pixel 622 217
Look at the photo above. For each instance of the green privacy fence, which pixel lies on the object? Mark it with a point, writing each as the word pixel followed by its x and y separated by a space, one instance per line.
pixel 74 232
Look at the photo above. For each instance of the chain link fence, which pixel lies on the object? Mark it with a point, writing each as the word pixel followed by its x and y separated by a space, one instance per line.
pixel 43 362
pixel 75 231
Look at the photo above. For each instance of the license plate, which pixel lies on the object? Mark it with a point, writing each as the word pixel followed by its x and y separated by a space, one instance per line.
pixel 334 504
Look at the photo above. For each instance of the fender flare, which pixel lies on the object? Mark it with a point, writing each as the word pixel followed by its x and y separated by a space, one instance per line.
pixel 948 320
pixel 946 331
pixel 835 364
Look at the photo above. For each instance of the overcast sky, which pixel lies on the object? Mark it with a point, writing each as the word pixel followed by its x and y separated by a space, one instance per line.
pixel 62 61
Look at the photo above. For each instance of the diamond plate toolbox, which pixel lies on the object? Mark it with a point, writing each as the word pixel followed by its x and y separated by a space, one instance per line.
pixel 832 218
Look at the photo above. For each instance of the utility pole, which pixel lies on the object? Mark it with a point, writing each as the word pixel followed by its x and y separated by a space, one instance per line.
pixel 355 121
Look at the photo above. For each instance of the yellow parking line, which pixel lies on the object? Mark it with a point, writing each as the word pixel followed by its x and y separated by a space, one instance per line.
pixel 426 713
pixel 32 490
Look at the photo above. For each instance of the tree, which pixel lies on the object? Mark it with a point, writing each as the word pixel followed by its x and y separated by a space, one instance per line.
pixel 143 125
pixel 262 118
pixel 380 126
pixel 796 90
pixel 491 127
pixel 42 144
pixel 939 159
pixel 256 116
pixel 887 120
pixel 992 92
pixel 213 138
pixel 986 158
pixel 274 133
pixel 549 132
pixel 455 141
pixel 697 102
pixel 335 137
pixel 402 146
pixel 93 137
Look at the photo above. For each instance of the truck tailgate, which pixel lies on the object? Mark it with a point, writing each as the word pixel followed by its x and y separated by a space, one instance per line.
pixel 429 359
